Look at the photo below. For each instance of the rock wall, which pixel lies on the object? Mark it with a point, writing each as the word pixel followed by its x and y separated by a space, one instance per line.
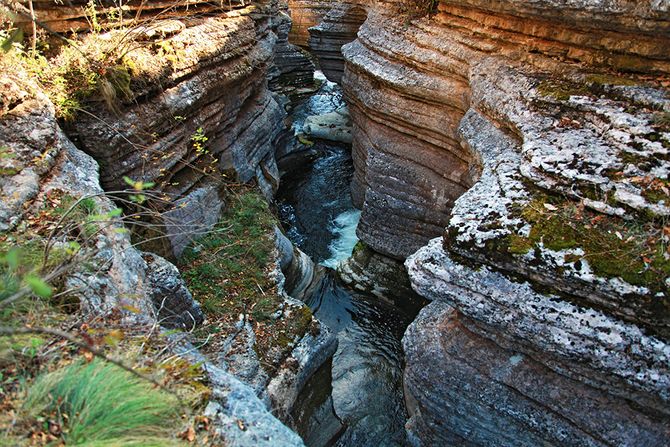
pixel 196 93
pixel 306 14
pixel 293 71
pixel 536 133
pixel 337 28
pixel 212 88
pixel 408 87
pixel 108 272
pixel 211 107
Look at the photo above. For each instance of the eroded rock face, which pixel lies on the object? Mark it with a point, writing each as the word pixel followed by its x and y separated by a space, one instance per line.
pixel 293 73
pixel 304 15
pixel 337 28
pixel 210 114
pixel 541 144
pixel 468 390
pixel 409 84
pixel 108 272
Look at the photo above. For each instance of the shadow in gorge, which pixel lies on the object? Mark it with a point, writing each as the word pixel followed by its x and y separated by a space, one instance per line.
pixel 357 399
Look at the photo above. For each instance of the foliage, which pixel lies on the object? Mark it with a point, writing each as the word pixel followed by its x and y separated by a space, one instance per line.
pixel 229 272
pixel 198 139
pixel 98 403
pixel 417 8
pixel 232 260
pixel 99 66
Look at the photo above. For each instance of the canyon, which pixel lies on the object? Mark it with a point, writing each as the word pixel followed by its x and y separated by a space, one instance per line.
pixel 509 163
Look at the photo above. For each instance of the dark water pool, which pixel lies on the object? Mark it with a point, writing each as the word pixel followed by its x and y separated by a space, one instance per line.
pixel 355 400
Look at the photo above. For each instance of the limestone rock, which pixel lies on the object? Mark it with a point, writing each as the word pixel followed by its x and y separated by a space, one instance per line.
pixel 174 304
pixel 240 417
pixel 108 272
pixel 464 389
pixel 338 27
pixel 293 73
pixel 334 126
pixel 213 115
pixel 304 15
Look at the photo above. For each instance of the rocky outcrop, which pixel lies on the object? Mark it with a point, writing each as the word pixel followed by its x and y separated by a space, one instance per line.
pixel 237 413
pixel 409 87
pixel 205 113
pixel 386 278
pixel 333 126
pixel 541 144
pixel 199 111
pixel 43 169
pixel 293 72
pixel 467 389
pixel 337 28
pixel 304 15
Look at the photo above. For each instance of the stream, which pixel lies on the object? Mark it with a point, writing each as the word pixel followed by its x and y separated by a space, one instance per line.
pixel 356 399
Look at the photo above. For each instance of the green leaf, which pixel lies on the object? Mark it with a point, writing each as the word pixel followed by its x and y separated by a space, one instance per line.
pixel 116 212
pixel 73 248
pixel 12 258
pixel 139 198
pixel 129 181
pixel 38 286
pixel 16 36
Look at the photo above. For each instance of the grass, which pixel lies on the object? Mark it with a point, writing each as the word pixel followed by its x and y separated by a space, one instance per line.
pixel 100 404
pixel 228 271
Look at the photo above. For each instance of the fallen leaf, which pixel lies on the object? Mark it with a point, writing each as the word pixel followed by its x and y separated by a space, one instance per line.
pixel 188 434
pixel 550 207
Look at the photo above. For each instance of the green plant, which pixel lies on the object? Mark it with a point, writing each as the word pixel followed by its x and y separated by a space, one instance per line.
pixel 98 403
pixel 198 139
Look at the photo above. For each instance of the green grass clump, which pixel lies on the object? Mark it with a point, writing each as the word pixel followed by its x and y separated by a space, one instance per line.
pixel 98 403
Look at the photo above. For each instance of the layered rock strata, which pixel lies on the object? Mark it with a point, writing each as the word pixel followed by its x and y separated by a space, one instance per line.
pixel 208 113
pixel 203 111
pixel 401 80
pixel 550 315
pixel 541 144
pixel 108 273
pixel 79 15
pixel 292 73
pixel 40 162
pixel 304 15
pixel 338 27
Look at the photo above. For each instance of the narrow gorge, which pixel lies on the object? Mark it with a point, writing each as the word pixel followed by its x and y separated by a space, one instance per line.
pixel 335 223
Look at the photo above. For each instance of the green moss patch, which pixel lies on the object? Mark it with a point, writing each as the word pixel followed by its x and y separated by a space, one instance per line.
pixel 228 271
pixel 633 250
pixel 561 90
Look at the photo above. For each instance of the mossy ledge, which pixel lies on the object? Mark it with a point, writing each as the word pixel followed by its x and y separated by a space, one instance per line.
pixel 230 271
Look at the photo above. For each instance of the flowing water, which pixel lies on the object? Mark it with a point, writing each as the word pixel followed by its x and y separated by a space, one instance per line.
pixel 355 400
